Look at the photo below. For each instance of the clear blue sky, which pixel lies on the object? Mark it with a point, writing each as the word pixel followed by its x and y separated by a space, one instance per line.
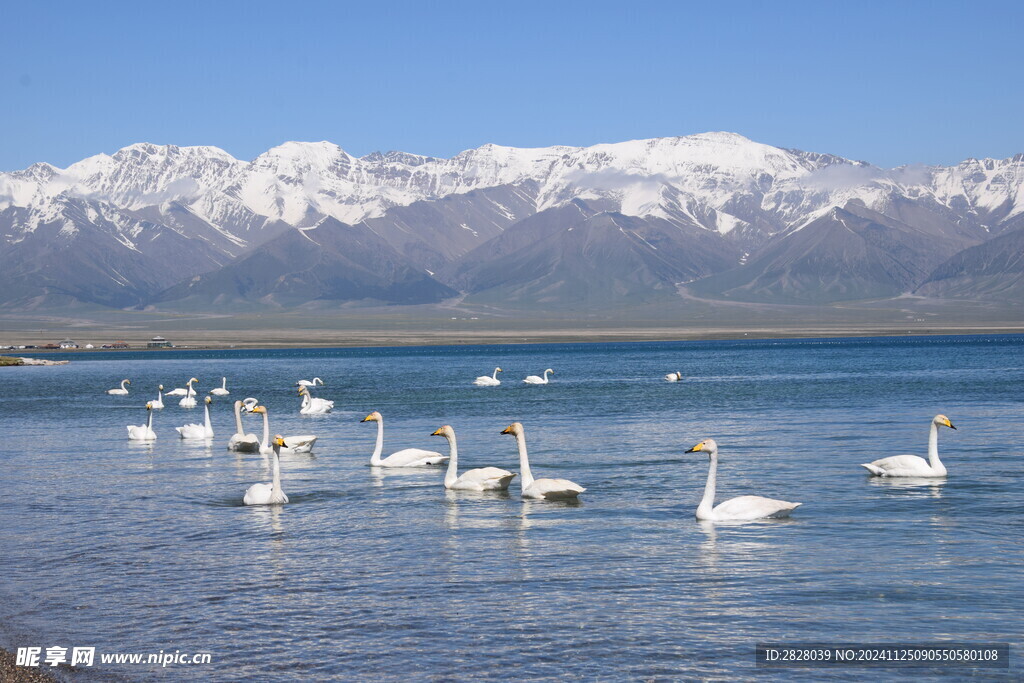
pixel 887 82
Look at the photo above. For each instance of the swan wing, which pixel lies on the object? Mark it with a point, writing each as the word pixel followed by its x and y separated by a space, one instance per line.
pixel 752 507
pixel 299 444
pixel 192 431
pixel 484 479
pixel 553 489
pixel 245 443
pixel 486 381
pixel 900 466
pixel 413 457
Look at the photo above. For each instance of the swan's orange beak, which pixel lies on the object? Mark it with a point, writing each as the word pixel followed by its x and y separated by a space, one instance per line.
pixel 258 409
pixel 278 441
pixel 369 418
pixel 696 449
pixel 507 430
pixel 438 432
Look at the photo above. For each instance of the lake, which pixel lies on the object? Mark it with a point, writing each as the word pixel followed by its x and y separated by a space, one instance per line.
pixel 141 548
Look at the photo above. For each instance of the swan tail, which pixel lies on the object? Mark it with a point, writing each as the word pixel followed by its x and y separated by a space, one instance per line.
pixel 873 469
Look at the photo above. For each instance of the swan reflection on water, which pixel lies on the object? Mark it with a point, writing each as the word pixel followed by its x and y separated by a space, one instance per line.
pixel 918 487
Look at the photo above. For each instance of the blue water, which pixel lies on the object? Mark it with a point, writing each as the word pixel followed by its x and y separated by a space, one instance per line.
pixel 141 548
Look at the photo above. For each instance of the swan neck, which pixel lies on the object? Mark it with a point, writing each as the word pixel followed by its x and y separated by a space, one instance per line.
pixel 933 447
pixel 452 474
pixel 276 484
pixel 238 418
pixel 149 422
pixel 379 448
pixel 707 503
pixel 266 430
pixel 209 427
pixel 494 376
pixel 224 383
pixel 524 462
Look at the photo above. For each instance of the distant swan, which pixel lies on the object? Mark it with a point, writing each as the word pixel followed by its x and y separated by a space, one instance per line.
pixel 480 479
pixel 674 377
pixel 307 383
pixel 741 509
pixel 180 391
pixel 314 406
pixel 291 444
pixel 122 391
pixel 143 432
pixel 240 441
pixel 194 431
pixel 549 489
pixel 222 390
pixel 408 457
pixel 269 494
pixel 913 465
pixel 158 404
pixel 485 381
pixel 190 396
pixel 534 379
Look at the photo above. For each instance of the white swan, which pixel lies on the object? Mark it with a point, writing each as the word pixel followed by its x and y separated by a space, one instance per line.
pixel 190 396
pixel 292 444
pixel 674 377
pixel 313 406
pixel 194 431
pixel 143 432
pixel 480 479
pixel 548 489
pixel 485 381
pixel 180 391
pixel 534 379
pixel 122 391
pixel 240 441
pixel 407 457
pixel 741 509
pixel 158 404
pixel 913 465
pixel 222 390
pixel 307 383
pixel 269 494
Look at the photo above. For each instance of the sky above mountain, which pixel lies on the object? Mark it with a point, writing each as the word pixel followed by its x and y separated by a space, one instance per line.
pixel 889 83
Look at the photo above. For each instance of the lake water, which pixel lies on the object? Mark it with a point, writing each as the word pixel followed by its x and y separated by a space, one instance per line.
pixel 141 548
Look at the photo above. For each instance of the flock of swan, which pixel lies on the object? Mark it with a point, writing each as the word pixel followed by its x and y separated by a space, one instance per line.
pixel 742 508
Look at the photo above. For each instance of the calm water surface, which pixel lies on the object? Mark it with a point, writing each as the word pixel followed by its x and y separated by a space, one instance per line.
pixel 141 548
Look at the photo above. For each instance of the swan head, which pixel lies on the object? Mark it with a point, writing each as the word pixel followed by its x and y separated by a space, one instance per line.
pixel 248 404
pixel 550 370
pixel 149 405
pixel 262 410
pixel 127 381
pixel 498 370
pixel 191 381
pixel 445 431
pixel 303 391
pixel 516 428
pixel 278 440
pixel 209 400
pixel 160 387
pixel 705 446
pixel 943 421
pixel 372 417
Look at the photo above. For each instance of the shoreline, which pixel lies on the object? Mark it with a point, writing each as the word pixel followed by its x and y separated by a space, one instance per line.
pixel 11 673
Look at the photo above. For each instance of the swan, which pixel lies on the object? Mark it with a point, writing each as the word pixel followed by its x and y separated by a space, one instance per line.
pixel 143 432
pixel 269 494
pixel 122 391
pixel 674 377
pixel 534 379
pixel 485 381
pixel 307 383
pixel 741 509
pixel 913 465
pixel 158 404
pixel 313 406
pixel 292 444
pixel 190 396
pixel 240 441
pixel 480 479
pixel 548 489
pixel 194 431
pixel 407 457
pixel 222 390
pixel 180 391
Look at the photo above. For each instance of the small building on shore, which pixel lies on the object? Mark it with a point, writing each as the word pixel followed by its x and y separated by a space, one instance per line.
pixel 68 344
pixel 159 343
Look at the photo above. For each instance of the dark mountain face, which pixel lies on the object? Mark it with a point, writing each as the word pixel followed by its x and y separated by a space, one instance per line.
pixel 993 270
pixel 330 262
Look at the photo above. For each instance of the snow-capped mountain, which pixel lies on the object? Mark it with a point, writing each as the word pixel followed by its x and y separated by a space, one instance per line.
pixel 198 208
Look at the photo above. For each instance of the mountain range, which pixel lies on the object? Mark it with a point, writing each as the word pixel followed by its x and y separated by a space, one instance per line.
pixel 715 216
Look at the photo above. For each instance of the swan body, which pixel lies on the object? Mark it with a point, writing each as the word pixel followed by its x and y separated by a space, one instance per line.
pixel 913 465
pixel 480 479
pixel 485 381
pixel 308 383
pixel 534 379
pixel 143 432
pixel 194 431
pixel 674 377
pixel 741 509
pixel 269 494
pixel 158 404
pixel 123 391
pixel 314 406
pixel 544 489
pixel 289 444
pixel 240 441
pixel 222 390
pixel 180 391
pixel 408 457
pixel 190 395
